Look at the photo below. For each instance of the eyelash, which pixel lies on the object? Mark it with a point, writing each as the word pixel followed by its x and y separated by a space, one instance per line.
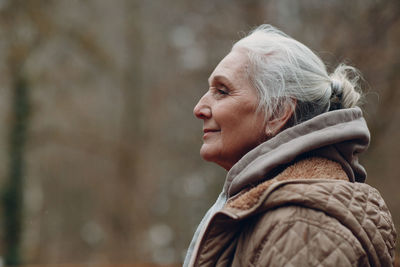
pixel 221 91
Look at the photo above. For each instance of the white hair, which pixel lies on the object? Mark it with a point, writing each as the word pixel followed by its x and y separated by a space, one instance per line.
pixel 282 69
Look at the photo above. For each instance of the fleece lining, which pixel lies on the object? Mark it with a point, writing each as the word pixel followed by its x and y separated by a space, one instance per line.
pixel 310 168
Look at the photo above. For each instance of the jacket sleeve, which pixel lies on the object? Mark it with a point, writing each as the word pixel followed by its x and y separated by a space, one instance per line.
pixel 297 236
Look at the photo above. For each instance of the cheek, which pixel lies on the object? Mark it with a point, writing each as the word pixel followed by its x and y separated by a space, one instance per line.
pixel 229 119
pixel 242 135
pixel 240 122
pixel 241 131
pixel 211 151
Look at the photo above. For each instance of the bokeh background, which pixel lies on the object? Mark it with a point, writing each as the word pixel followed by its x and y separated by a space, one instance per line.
pixel 99 159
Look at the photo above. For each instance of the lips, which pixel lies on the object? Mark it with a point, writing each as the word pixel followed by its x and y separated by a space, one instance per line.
pixel 208 132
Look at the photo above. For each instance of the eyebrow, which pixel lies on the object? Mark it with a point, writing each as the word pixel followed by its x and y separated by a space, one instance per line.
pixel 221 78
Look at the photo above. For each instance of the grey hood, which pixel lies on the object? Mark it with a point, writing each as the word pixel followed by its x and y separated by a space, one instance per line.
pixel 338 135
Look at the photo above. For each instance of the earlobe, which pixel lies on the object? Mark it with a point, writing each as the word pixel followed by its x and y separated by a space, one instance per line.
pixel 268 132
pixel 278 123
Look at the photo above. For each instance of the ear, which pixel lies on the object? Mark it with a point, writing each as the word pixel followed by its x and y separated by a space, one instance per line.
pixel 278 122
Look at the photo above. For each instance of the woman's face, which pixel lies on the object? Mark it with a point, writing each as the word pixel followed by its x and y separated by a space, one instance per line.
pixel 231 125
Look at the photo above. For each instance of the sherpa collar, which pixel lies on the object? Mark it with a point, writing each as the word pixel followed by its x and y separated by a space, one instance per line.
pixel 310 168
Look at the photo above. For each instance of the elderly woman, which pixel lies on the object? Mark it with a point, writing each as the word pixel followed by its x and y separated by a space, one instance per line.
pixel 289 136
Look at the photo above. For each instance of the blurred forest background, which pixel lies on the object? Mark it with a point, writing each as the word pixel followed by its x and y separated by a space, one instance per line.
pixel 99 158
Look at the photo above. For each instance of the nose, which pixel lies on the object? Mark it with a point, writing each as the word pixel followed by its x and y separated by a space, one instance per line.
pixel 202 110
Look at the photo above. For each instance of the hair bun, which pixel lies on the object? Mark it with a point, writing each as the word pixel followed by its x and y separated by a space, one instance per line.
pixel 344 87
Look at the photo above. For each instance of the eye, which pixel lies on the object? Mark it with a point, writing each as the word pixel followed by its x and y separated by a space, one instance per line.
pixel 221 89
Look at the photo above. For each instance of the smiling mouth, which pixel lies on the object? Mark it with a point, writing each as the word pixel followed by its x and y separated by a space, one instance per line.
pixel 208 132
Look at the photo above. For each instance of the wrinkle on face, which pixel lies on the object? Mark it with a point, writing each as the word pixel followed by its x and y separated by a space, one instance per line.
pixel 240 126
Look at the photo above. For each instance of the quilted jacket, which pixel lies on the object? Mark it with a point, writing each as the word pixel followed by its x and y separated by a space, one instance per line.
pixel 299 200
pixel 293 221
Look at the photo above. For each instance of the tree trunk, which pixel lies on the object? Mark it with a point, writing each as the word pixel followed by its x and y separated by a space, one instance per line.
pixel 13 191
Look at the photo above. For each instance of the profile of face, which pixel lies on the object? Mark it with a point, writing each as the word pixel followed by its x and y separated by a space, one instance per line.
pixel 231 124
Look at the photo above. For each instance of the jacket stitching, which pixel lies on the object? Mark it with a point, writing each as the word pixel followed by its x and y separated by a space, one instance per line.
pixel 348 240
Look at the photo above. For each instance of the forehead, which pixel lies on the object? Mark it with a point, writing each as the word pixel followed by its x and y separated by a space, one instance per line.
pixel 232 67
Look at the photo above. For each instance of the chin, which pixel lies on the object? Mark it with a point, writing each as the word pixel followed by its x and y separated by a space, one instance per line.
pixel 212 155
pixel 207 153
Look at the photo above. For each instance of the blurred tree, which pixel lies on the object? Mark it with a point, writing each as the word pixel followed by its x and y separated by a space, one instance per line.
pixel 24 26
pixel 12 194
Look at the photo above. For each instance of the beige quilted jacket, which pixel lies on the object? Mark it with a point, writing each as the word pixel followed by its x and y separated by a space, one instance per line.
pixel 299 199
pixel 292 221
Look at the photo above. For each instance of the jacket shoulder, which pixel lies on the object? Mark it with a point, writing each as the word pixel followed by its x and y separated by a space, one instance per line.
pixel 298 236
pixel 314 196
pixel 320 218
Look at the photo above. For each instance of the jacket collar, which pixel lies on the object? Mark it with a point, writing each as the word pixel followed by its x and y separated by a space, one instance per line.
pixel 311 168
